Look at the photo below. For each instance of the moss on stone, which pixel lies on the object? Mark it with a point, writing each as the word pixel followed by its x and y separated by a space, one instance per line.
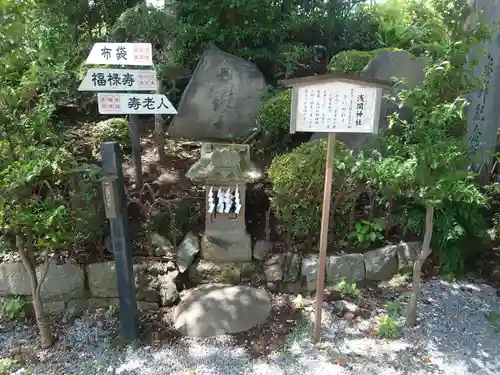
pixel 203 272
pixel 252 273
pixel 353 61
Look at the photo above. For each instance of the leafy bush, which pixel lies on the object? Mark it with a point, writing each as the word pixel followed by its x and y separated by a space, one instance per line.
pixel 304 29
pixel 353 62
pixel 7 365
pixel 494 319
pixel 367 232
pixel 394 308
pixel 407 24
pixel 144 23
pixel 434 137
pixel 388 328
pixel 274 123
pixel 350 62
pixel 114 129
pixel 348 289
pixel 459 227
pixel 13 308
pixel 297 180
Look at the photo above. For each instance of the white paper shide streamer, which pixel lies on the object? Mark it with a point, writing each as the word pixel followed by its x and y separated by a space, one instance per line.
pixel 237 200
pixel 220 203
pixel 228 200
pixel 211 204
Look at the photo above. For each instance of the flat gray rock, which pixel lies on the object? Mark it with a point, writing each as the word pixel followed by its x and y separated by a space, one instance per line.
pixel 387 65
pixel 218 309
pixel 221 101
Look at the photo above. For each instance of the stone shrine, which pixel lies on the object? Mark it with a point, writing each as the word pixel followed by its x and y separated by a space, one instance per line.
pixel 225 169
pixel 221 101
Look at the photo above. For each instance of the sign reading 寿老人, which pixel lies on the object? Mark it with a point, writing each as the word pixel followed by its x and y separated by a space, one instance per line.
pixel 128 104
pixel 335 106
pixel 121 54
pixel 118 80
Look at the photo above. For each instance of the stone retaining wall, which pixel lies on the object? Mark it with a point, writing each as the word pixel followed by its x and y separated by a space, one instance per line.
pixel 71 288
pixel 289 273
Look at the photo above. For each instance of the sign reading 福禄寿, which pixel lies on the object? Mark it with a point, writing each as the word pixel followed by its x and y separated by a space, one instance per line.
pixel 130 104
pixel 118 80
pixel 335 107
pixel 121 54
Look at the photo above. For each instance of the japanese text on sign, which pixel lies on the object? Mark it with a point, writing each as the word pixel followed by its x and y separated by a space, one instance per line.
pixel 336 107
pixel 118 80
pixel 134 104
pixel 478 111
pixel 121 54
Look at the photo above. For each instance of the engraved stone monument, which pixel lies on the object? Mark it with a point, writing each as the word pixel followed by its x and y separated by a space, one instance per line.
pixel 221 101
pixel 225 169
pixel 483 115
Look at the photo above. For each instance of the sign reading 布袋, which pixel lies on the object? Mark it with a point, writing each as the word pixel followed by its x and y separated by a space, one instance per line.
pixel 121 54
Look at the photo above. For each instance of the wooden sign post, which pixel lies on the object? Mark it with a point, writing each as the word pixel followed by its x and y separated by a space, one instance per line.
pixel 332 104
pixel 119 79
pixel 115 99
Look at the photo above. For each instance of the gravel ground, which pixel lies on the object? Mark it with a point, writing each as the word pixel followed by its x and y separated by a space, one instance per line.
pixel 454 337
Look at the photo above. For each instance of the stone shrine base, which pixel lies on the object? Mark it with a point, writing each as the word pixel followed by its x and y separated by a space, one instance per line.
pixel 226 247
pixel 218 309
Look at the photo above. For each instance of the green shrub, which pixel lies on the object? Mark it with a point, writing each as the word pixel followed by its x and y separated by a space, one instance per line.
pixel 352 62
pixel 388 328
pixel 7 365
pixel 115 129
pixel 367 232
pixel 14 308
pixel 459 227
pixel 494 319
pixel 274 123
pixel 394 308
pixel 297 180
pixel 348 289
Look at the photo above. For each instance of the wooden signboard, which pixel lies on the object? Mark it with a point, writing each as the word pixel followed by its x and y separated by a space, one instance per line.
pixel 121 54
pixel 134 104
pixel 333 104
pixel 118 80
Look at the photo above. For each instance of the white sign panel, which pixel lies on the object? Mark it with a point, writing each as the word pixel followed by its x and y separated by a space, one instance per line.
pixel 335 107
pixel 121 54
pixel 130 104
pixel 118 80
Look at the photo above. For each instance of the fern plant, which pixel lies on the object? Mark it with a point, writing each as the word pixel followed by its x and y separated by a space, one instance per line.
pixel 459 227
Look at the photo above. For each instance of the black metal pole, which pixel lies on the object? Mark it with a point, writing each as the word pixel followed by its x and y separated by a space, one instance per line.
pixel 116 211
pixel 135 139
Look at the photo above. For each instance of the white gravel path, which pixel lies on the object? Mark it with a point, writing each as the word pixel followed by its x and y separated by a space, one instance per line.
pixel 454 338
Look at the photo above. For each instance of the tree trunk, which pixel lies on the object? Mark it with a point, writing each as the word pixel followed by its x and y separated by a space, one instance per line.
pixel 26 253
pixel 388 221
pixel 411 313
